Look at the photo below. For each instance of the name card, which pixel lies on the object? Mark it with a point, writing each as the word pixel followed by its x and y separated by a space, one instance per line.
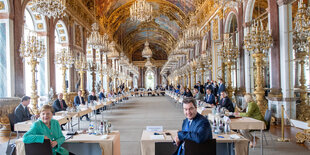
pixel 154 128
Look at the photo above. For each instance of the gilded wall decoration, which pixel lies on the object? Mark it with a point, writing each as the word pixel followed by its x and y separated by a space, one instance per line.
pixel 38 17
pixel 40 26
pixel 2 6
pixel 215 28
pixel 63 38
pixel 62 31
pixel 59 25
pixel 78 36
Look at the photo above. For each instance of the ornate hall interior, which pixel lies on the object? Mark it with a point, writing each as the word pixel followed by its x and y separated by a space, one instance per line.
pixel 143 55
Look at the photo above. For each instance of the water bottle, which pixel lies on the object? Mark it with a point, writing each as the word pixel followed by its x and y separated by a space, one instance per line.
pixel 227 128
pixel 101 128
pixel 91 128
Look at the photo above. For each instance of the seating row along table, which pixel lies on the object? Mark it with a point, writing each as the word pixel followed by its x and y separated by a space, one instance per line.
pixel 86 144
pixel 225 144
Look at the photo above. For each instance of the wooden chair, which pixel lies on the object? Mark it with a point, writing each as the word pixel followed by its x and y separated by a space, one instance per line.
pixel 44 148
pixel 165 148
pixel 206 148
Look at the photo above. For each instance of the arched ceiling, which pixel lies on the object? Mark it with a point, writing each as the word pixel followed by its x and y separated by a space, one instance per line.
pixel 170 17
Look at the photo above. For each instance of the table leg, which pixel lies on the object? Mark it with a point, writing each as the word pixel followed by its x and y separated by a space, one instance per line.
pixel 261 140
pixel 78 123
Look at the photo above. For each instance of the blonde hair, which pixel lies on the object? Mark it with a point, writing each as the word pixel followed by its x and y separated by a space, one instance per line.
pixel 248 98
pixel 46 107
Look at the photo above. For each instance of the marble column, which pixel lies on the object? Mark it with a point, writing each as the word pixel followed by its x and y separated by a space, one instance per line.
pixel 286 70
pixel 51 24
pixel 275 75
pixel 241 89
pixel 18 14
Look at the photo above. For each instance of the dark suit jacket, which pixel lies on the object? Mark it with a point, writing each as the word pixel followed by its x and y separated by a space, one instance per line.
pixel 21 114
pixel 92 98
pixel 199 131
pixel 211 99
pixel 221 88
pixel 57 106
pixel 226 102
pixel 77 101
pixel 101 96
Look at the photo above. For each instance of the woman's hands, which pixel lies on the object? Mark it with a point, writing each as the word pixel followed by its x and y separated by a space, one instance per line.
pixel 53 143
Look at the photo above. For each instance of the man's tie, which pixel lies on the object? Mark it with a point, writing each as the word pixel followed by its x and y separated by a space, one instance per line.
pixel 208 98
pixel 61 104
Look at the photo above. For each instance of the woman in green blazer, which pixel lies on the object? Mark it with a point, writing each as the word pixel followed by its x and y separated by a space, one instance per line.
pixel 46 128
pixel 252 111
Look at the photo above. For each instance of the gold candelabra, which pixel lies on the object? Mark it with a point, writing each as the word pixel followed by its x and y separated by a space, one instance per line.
pixel 65 59
pixel 31 51
pixel 259 41
pixel 229 54
pixel 93 67
pixel 81 66
pixel 301 40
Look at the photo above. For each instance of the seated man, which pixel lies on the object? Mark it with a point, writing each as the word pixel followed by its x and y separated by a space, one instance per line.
pixel 210 98
pixel 226 102
pixel 195 127
pixel 101 95
pixel 21 112
pixel 149 91
pixel 198 95
pixel 60 104
pixel 91 98
pixel 80 100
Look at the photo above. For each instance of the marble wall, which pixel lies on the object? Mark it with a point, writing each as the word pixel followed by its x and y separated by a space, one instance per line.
pixel 3 61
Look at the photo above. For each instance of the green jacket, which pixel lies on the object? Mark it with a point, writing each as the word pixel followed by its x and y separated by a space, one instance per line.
pixel 253 112
pixel 38 130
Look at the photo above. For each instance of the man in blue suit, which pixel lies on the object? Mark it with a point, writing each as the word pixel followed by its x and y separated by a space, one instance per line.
pixel 195 127
pixel 221 87
pixel 210 98
pixel 80 100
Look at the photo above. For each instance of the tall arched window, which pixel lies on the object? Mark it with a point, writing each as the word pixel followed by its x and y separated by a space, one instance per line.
pixel 35 23
pixel 150 79
pixel 61 41
pixel 5 67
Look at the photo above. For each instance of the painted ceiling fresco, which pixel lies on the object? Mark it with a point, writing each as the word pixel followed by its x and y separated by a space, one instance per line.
pixel 169 18
pixel 158 53
pixel 106 7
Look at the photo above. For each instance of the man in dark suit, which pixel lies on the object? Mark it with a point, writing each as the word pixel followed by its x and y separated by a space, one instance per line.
pixel 195 127
pixel 60 104
pixel 91 98
pixel 221 87
pixel 209 86
pixel 210 98
pixel 226 102
pixel 101 94
pixel 80 100
pixel 21 112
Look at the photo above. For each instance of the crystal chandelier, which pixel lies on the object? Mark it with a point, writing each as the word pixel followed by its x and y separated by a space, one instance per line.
pixel 258 39
pixel 302 27
pixel 141 11
pixel 113 54
pixel 147 52
pixel 64 57
pixel 50 8
pixel 96 40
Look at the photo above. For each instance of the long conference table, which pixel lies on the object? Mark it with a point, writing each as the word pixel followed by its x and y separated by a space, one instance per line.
pixel 225 144
pixel 86 144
